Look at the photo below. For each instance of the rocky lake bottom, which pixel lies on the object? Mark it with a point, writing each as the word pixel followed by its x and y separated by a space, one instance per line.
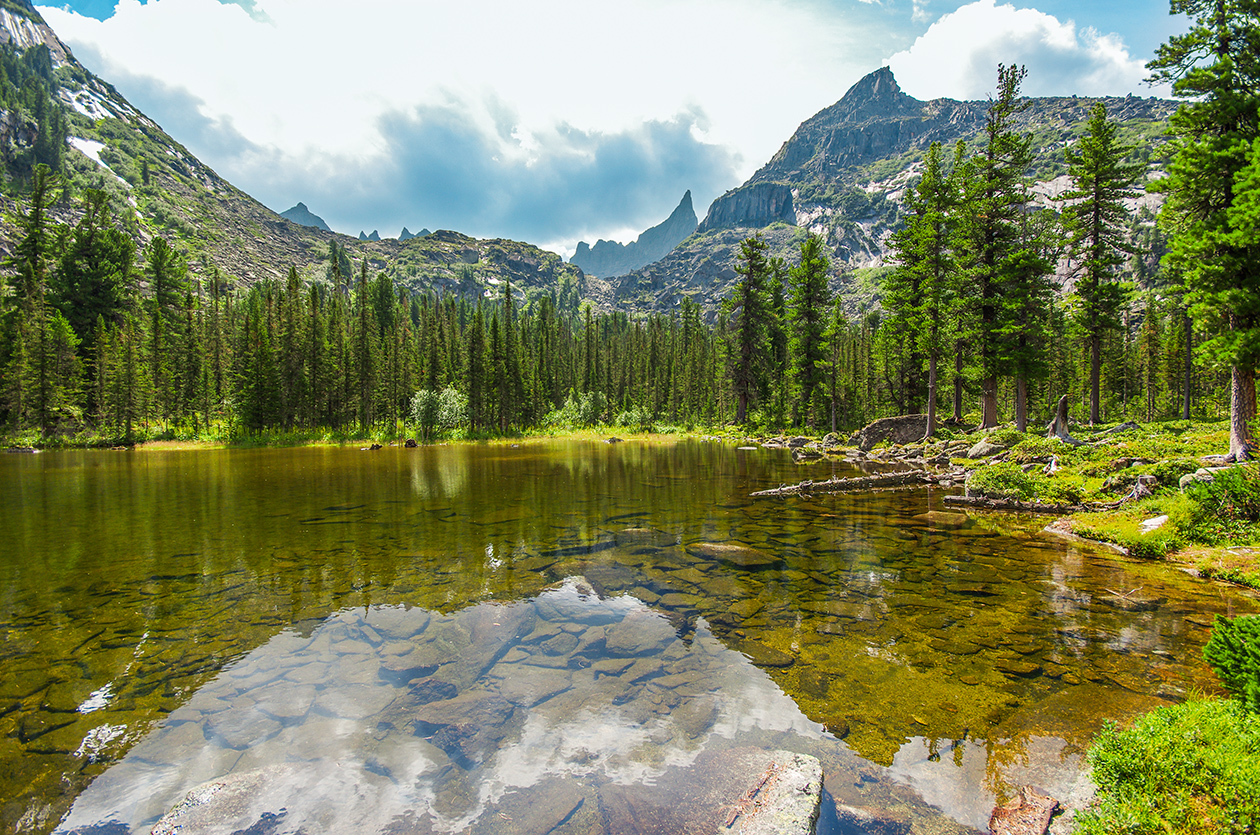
pixel 561 637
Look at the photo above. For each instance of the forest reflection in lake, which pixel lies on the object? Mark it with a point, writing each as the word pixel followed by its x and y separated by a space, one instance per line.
pixel 612 617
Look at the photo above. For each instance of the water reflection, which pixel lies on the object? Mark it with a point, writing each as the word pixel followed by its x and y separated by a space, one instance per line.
pixel 396 719
pixel 932 655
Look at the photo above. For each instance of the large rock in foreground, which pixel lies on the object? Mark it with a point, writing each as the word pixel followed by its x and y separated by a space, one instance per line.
pixel 902 429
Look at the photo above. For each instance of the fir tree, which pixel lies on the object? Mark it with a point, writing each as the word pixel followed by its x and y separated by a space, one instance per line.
pixel 1215 68
pixel 749 312
pixel 1096 218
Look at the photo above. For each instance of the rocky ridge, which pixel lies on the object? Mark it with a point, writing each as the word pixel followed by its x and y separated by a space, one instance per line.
pixel 609 258
pixel 158 187
pixel 843 173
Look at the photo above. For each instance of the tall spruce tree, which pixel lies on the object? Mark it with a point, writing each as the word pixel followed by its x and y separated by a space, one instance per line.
pixel 925 287
pixel 808 309
pixel 749 311
pixel 1096 220
pixel 995 194
pixel 1215 69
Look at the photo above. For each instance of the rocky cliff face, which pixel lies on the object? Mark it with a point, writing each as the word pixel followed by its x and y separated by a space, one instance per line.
pixel 609 258
pixel 753 205
pixel 844 171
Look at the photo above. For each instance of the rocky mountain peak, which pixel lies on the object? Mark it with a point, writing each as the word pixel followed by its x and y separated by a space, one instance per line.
pixel 875 95
pixel 23 27
pixel 611 258
pixel 303 216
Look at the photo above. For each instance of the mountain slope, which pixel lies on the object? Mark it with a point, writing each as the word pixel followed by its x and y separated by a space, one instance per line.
pixel 157 187
pixel 609 258
pixel 842 175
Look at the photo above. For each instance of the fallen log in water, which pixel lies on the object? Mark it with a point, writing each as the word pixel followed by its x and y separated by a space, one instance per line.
pixel 909 479
pixel 987 503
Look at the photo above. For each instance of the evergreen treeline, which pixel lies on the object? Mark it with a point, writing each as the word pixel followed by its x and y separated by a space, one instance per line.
pixel 97 337
pixel 101 339
pixel 33 125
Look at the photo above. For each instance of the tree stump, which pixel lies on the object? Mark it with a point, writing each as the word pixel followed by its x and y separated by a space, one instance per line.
pixel 1059 426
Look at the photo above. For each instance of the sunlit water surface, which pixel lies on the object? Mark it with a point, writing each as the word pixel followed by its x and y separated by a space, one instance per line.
pixel 563 636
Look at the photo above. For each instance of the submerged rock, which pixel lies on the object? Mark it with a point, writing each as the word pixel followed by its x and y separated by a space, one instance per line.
pixel 740 556
pixel 1028 813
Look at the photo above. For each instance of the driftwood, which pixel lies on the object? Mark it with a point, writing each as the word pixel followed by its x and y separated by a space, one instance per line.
pixel 1142 489
pixel 988 503
pixel 911 479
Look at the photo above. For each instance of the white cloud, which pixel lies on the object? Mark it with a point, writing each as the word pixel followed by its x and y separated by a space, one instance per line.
pixel 304 86
pixel 958 56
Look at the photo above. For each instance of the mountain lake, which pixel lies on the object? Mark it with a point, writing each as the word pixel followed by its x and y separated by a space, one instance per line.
pixel 561 636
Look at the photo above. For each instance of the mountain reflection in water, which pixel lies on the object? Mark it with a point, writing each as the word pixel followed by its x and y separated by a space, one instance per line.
pixel 397 719
pixel 567 634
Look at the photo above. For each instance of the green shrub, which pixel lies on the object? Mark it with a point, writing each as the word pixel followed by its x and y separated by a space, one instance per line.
pixel 1187 768
pixel 1063 488
pixel 1170 472
pixel 1234 652
pixel 1006 436
pixel 1223 511
pixel 1004 481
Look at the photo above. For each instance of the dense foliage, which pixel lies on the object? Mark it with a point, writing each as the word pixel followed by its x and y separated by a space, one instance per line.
pixel 1192 768
pixel 1234 652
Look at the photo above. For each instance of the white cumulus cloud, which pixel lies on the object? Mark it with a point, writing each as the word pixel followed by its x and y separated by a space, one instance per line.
pixel 322 101
pixel 957 56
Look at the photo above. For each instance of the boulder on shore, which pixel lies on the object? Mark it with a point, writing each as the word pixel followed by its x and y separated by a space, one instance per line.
pixel 902 429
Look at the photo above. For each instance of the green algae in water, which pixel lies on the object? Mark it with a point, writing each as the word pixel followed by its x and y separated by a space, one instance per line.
pixel 168 577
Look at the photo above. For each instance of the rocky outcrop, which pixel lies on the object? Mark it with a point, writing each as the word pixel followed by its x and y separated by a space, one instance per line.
pixel 902 429
pixel 843 174
pixel 302 216
pixel 875 120
pixel 609 258
pixel 751 206
pixel 407 235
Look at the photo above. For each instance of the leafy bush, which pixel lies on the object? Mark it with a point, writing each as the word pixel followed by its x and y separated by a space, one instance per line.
pixel 1187 768
pixel 1234 652
pixel 1170 472
pixel 433 410
pixel 637 420
pixel 586 409
pixel 1007 436
pixel 1064 488
pixel 1004 481
pixel 1224 510
pixel 1032 447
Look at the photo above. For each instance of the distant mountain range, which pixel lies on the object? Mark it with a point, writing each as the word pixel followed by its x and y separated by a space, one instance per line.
pixel 609 258
pixel 841 175
pixel 157 187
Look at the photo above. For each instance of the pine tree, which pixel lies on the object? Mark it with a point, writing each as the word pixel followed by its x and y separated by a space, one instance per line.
pixel 1095 218
pixel 1215 68
pixel 810 301
pixel 749 312
pixel 925 288
pixel 995 195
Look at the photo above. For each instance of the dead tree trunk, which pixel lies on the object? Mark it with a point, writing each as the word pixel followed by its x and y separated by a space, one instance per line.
pixel 1059 426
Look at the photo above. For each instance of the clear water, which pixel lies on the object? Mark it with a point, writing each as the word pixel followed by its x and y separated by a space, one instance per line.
pixel 563 636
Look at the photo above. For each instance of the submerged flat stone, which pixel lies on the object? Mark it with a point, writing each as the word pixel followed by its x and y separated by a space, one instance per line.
pixel 942 519
pixel 764 656
pixel 741 556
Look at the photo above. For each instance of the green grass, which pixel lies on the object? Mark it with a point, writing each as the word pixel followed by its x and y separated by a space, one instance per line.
pixel 1188 769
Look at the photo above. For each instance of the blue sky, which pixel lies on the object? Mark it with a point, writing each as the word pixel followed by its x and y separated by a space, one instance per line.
pixel 557 120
